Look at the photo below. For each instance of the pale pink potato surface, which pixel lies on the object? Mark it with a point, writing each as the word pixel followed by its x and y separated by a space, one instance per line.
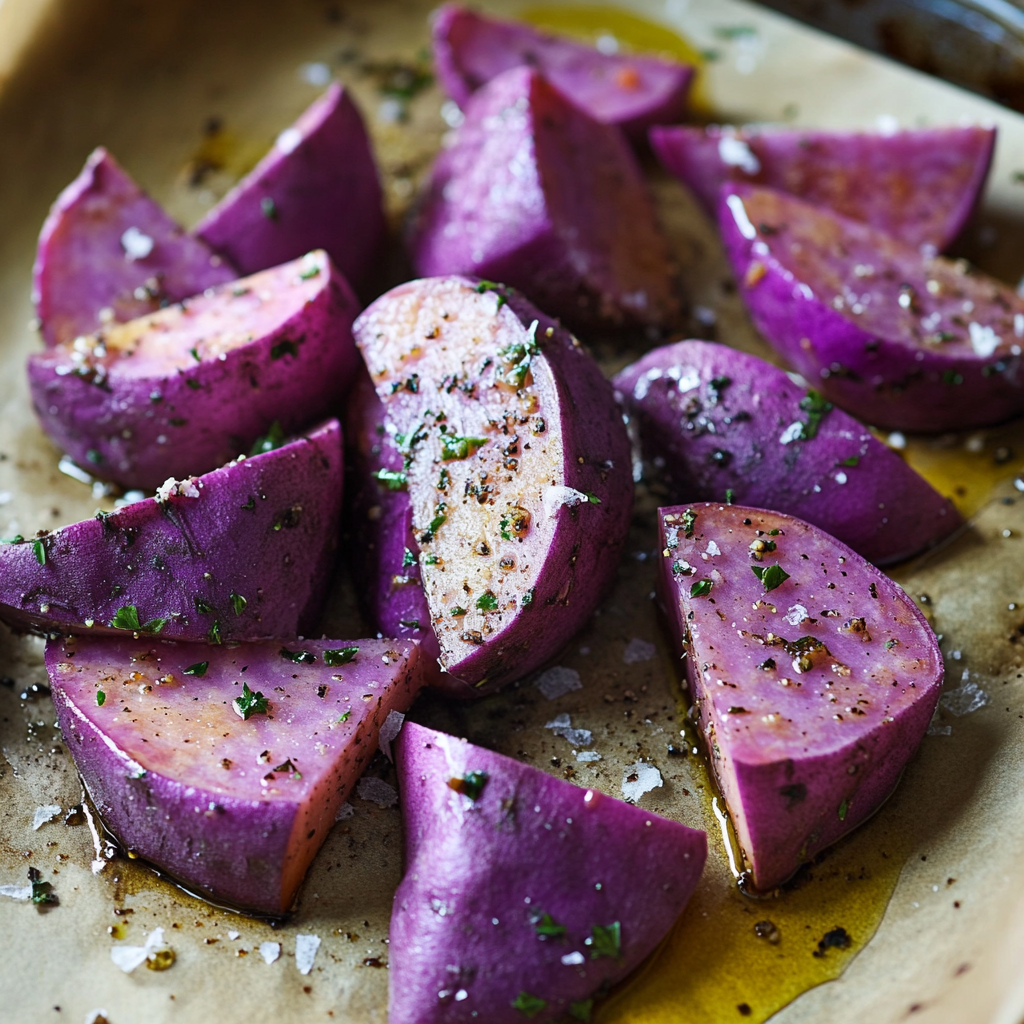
pixel 235 808
pixel 812 689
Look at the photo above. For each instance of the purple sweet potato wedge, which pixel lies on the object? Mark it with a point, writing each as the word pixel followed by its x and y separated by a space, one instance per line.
pixel 244 552
pixel 535 193
pixel 226 767
pixel 629 91
pixel 724 423
pixel 524 895
pixel 813 674
pixel 517 466
pixel 383 552
pixel 107 252
pixel 185 389
pixel 316 189
pixel 919 184
pixel 902 340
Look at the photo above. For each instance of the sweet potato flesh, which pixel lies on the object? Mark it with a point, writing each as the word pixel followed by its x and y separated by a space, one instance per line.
pixel 477 413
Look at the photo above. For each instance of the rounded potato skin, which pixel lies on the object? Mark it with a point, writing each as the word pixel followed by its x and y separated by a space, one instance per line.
pixel 190 408
pixel 722 420
pixel 528 845
pixel 631 92
pixel 569 577
pixel 851 309
pixel 812 691
pixel 249 556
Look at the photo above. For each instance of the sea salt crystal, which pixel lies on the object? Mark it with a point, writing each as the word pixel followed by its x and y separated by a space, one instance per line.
pixel 305 952
pixel 964 699
pixel 640 778
pixel 377 791
pixel 388 731
pixel 561 725
pixel 44 814
pixel 136 244
pixel 638 650
pixel 558 681
pixel 270 951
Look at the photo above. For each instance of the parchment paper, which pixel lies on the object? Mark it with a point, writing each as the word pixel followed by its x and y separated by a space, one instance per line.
pixel 146 80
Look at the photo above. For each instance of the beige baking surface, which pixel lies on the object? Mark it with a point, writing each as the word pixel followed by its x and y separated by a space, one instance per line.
pixel 143 79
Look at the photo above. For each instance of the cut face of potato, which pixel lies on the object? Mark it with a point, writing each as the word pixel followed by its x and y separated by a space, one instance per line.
pixel 813 674
pixel 919 184
pixel 185 389
pixel 109 253
pixel 242 553
pixel 902 340
pixel 516 463
pixel 226 767
pixel 540 893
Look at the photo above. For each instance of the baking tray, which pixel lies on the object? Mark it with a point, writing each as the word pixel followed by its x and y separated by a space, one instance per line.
pixel 188 95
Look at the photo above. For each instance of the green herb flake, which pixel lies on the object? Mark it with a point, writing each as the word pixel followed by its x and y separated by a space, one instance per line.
pixel 42 892
pixel 688 521
pixel 492 286
pixel 547 928
pixel 101 698
pixel 816 407
pixel 730 496
pixel 851 461
pixel 126 618
pixel 527 599
pixel 843 808
pixel 39 550
pixel 471 784
pixel 285 347
pixel 431 560
pixel 701 588
pixel 605 940
pixel 194 353
pixel 198 669
pixel 94 456
pixel 249 505
pixel 238 603
pixel 771 576
pixel 592 498
pixel 299 657
pixel 16 539
pixel 336 656
pixel 249 703
pixel 444 479
pixel 192 383
pixel 581 1009
pixel 273 439
pixel 487 601
pixel 458 611
pixel 528 1005
pixel 345 717
pixel 518 356
pixel 268 208
pixel 396 479
pixel 454 447
pixel 409 623
pixel 213 633
pixel 309 273
pixel 890 644
pixel 408 559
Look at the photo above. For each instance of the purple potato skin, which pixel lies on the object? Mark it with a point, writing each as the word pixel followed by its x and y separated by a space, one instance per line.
pixel 181 402
pixel 905 359
pixel 82 266
pixel 264 529
pixel 744 436
pixel 190 786
pixel 380 526
pixel 802 752
pixel 529 845
pixel 322 179
pixel 631 92
pixel 919 184
pixel 570 550
pixel 536 194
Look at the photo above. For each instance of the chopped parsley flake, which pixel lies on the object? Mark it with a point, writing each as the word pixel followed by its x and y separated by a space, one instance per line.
pixel 198 669
pixel 851 461
pixel 336 656
pixel 689 520
pixel 42 892
pixel 273 438
pixel 408 559
pixel 409 623
pixel 492 286
pixel 605 940
pixel 285 347
pixel 345 717
pixel 458 611
pixel 843 808
pixel 101 698
pixel 213 633
pixel 730 496
pixel 527 599
pixel 299 657
pixel 454 447
pixel 592 498
pixel 816 407
pixel 771 576
pixel 268 208
pixel 528 1005
pixel 39 549
pixel 397 480
pixel 471 784
pixel 127 617
pixel 487 601
pixel 249 703
pixel 547 928
pixel 701 588
pixel 518 357
pixel 238 603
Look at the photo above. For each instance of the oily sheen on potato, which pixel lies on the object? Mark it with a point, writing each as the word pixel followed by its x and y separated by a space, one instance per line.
pixel 813 674
pixel 516 463
pixel 226 766
pixel 524 895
